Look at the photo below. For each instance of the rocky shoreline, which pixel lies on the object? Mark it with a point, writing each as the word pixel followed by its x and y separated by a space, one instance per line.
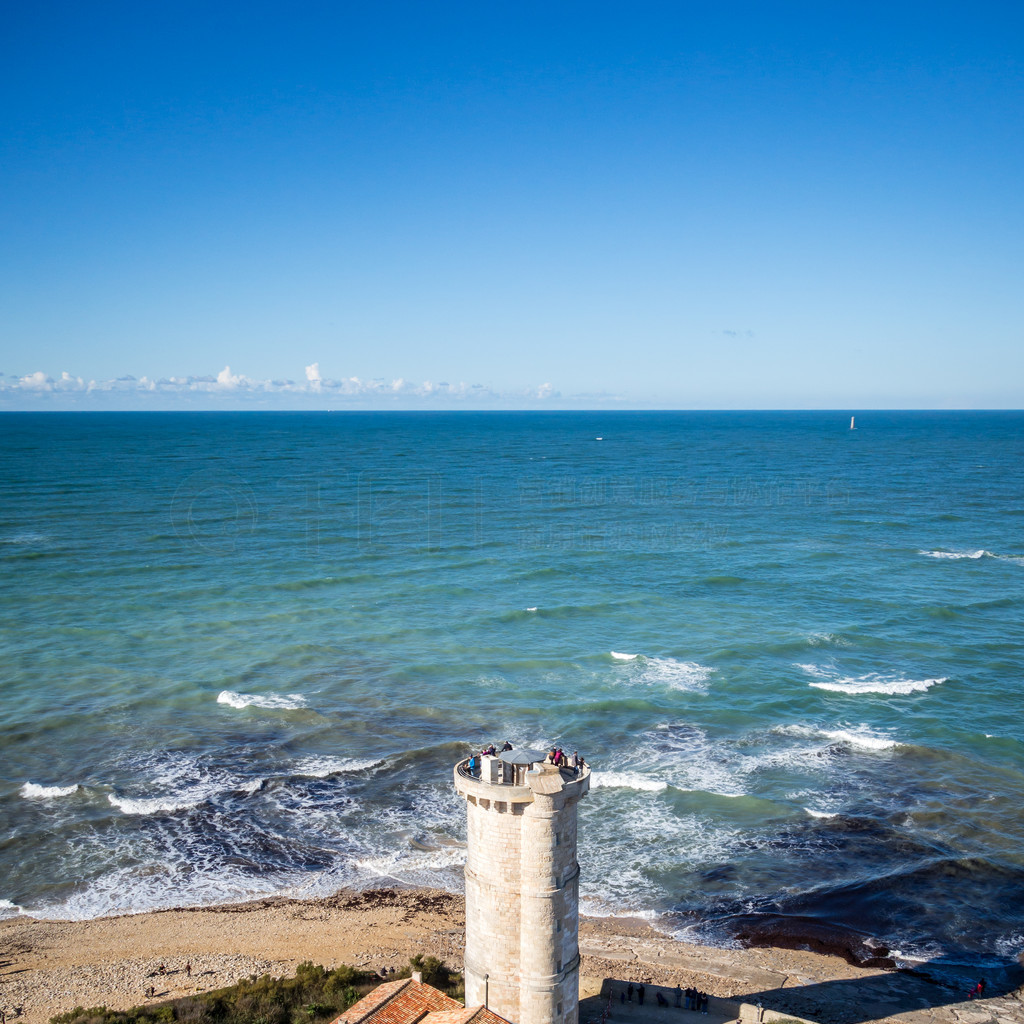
pixel 48 967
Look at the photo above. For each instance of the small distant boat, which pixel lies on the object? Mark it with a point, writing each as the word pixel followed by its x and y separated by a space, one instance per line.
pixel 852 427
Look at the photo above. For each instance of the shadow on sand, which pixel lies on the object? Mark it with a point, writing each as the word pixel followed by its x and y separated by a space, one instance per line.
pixel 875 995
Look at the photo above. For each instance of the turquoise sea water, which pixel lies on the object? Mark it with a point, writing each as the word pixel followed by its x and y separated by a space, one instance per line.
pixel 241 653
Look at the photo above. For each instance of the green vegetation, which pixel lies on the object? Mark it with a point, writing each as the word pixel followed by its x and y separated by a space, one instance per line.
pixel 314 995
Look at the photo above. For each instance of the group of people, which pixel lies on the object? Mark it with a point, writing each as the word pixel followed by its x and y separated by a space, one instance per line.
pixel 561 759
pixel 556 756
pixel 490 750
pixel 696 1001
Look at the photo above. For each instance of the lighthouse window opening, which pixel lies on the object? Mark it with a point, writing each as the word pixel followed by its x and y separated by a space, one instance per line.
pixel 558 839
pixel 558 1010
pixel 558 926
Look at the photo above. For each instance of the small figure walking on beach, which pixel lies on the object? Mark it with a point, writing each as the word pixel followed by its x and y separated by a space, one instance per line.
pixel 188 969
pixel 629 991
pixel 641 989
pixel 978 991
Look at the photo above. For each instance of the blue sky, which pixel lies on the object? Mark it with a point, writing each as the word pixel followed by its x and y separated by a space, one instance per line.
pixel 558 205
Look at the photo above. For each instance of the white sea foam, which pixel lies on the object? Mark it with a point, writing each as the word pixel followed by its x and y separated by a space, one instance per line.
pixel 682 756
pixel 626 780
pixel 277 701
pixel 679 675
pixel 413 866
pixel 31 791
pixel 827 639
pixel 1009 946
pixel 859 736
pixel 321 767
pixel 671 672
pixel 659 839
pixel 820 814
pixel 154 805
pixel 533 609
pixel 9 909
pixel 870 682
pixel 161 886
pixel 168 782
pixel 973 555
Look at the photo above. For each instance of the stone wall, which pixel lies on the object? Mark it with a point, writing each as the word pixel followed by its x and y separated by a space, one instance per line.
pixel 522 897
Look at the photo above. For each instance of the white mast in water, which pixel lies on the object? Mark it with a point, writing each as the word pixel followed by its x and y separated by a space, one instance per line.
pixel 852 427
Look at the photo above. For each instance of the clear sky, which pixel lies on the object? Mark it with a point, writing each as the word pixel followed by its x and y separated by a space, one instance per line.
pixel 489 204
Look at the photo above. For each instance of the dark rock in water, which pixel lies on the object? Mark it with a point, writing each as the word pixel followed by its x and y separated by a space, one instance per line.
pixel 719 873
pixel 806 933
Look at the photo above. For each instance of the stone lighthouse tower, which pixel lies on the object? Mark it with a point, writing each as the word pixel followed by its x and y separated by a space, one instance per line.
pixel 522 953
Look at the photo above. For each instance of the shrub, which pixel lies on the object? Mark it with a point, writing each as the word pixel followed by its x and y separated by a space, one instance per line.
pixel 315 995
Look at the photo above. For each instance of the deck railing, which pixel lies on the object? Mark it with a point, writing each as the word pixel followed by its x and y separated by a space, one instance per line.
pixel 568 774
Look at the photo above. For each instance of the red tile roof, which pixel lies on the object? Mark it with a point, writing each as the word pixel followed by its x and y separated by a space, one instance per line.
pixel 459 1016
pixel 408 1002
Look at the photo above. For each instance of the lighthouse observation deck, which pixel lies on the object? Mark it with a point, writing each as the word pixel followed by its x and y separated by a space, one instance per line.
pixel 520 774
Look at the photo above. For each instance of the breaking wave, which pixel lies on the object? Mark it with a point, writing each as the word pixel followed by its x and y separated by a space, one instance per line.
pixel 322 767
pixel 626 780
pixel 870 682
pixel 276 701
pixel 860 737
pixel 671 672
pixel 31 791
pixel 154 805
pixel 973 555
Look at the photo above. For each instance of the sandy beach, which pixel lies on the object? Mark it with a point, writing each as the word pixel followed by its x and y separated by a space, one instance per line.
pixel 47 967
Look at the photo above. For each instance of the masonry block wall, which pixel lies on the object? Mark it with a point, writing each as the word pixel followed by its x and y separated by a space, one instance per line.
pixel 522 896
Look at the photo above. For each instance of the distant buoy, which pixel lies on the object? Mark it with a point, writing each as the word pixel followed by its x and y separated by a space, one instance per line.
pixel 598 438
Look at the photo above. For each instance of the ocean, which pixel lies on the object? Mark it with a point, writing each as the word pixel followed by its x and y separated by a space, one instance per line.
pixel 242 651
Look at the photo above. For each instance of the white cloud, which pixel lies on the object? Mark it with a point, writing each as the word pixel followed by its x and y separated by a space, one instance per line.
pixel 37 381
pixel 227 389
pixel 228 380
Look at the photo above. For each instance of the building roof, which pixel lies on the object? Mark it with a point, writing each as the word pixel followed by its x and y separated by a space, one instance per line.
pixel 464 1015
pixel 522 756
pixel 408 1001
